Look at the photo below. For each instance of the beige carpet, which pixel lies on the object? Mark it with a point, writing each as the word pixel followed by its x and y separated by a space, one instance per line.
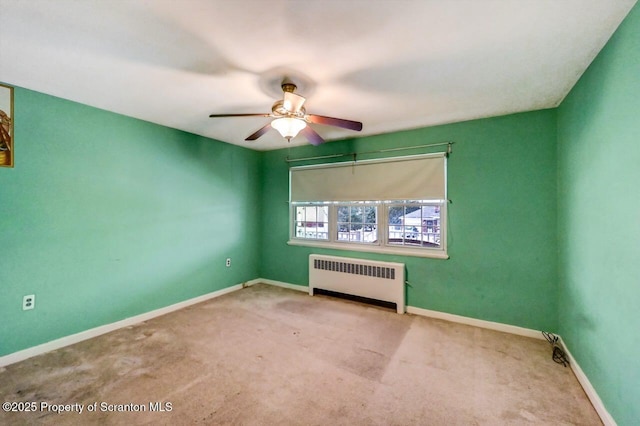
pixel 270 356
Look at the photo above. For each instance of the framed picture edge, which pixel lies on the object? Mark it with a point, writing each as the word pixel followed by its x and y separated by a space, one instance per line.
pixel 11 149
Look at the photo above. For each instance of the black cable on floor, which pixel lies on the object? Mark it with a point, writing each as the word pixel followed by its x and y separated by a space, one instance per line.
pixel 558 354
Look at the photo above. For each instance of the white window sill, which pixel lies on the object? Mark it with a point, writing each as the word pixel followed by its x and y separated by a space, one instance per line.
pixel 399 251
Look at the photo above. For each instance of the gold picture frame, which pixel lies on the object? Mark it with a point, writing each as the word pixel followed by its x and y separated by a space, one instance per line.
pixel 6 126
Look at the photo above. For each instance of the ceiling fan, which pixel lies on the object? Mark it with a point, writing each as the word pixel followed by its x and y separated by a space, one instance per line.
pixel 291 118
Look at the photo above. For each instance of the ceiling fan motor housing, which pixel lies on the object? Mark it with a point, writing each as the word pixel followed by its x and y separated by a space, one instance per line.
pixel 279 110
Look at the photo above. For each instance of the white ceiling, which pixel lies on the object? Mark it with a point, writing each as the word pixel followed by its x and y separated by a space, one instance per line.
pixel 392 64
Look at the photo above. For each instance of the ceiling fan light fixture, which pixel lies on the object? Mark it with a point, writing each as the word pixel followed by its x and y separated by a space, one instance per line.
pixel 288 127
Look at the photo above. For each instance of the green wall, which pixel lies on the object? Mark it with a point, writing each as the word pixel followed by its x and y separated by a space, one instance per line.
pixel 105 217
pixel 599 222
pixel 502 220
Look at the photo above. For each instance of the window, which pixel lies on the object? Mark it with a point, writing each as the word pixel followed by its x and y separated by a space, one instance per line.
pixel 312 222
pixel 372 206
pixel 414 224
pixel 357 223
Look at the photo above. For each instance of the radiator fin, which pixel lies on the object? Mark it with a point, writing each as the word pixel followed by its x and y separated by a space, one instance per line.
pixel 355 268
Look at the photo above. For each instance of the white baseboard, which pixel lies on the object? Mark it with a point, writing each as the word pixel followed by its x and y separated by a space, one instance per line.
pixel 282 284
pixel 597 403
pixel 252 282
pixel 103 329
pixel 497 326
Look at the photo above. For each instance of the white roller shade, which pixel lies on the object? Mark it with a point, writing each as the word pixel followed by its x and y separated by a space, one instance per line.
pixel 402 178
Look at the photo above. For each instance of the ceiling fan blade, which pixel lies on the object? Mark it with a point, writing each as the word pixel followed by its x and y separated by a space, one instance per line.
pixel 259 133
pixel 238 115
pixel 337 122
pixel 293 102
pixel 312 136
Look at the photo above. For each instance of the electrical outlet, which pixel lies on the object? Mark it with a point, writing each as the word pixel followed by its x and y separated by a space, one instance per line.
pixel 228 262
pixel 28 302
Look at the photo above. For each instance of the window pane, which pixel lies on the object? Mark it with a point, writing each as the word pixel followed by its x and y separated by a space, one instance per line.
pixel 323 214
pixel 410 233
pixel 370 230
pixel 371 213
pixel 323 222
pixel 395 213
pixel 343 214
pixel 343 231
pixel 357 214
pixel 355 233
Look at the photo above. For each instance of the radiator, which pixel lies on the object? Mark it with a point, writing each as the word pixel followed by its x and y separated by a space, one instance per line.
pixel 374 280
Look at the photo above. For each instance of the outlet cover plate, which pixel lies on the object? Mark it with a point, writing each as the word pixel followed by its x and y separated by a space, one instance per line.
pixel 28 302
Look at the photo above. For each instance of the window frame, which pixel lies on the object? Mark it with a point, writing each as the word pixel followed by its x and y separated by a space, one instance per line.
pixel 382 245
